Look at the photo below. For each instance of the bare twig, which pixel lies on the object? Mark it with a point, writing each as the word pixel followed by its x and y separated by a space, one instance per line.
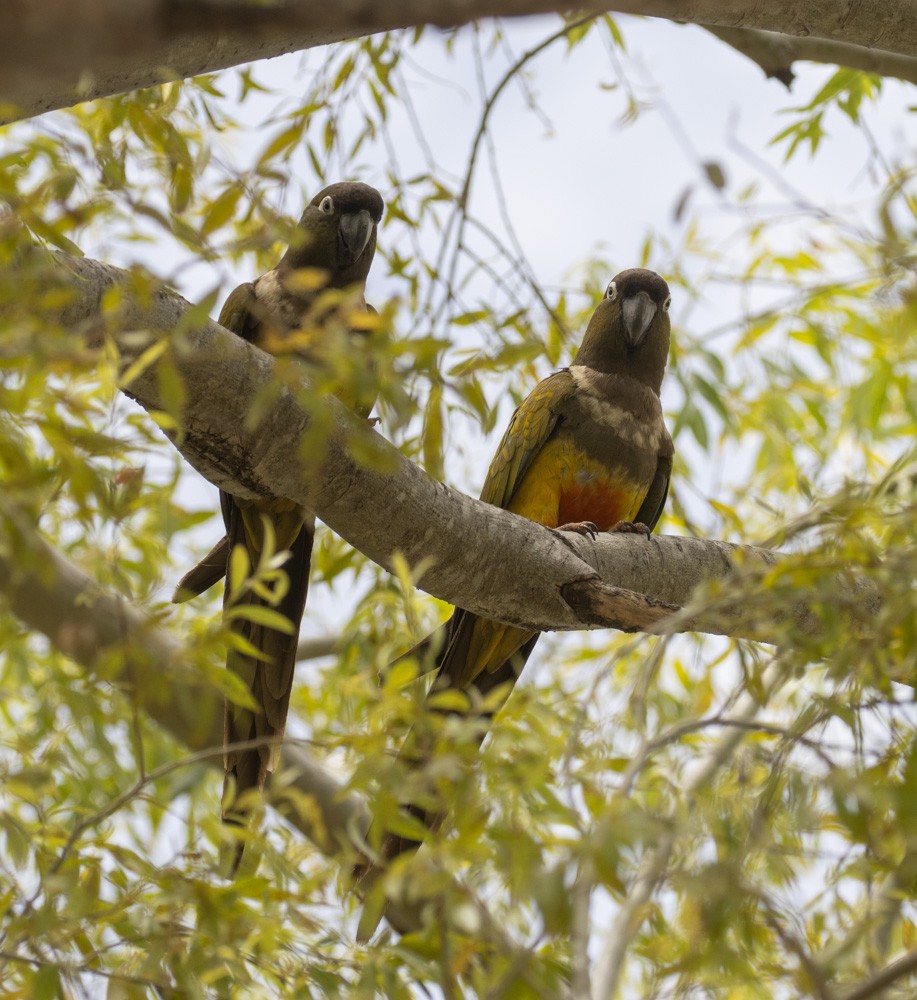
pixel 876 985
pixel 317 647
pixel 610 966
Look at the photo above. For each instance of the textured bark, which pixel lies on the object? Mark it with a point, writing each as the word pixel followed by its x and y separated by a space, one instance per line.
pixel 776 53
pixel 58 52
pixel 479 557
pixel 51 595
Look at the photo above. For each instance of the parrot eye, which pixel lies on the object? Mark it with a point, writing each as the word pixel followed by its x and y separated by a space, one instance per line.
pixel 666 304
pixel 327 205
pixel 611 292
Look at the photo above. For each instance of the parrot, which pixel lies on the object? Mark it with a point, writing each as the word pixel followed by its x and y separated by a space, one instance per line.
pixel 586 451
pixel 333 247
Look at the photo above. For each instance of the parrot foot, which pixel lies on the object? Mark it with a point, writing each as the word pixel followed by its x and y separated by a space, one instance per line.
pixel 581 528
pixel 629 528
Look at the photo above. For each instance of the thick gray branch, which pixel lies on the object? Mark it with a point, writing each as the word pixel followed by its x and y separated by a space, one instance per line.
pixel 476 556
pixel 775 53
pixel 53 596
pixel 57 52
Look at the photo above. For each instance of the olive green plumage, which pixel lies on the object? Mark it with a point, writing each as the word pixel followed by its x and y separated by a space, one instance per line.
pixel 333 247
pixel 587 450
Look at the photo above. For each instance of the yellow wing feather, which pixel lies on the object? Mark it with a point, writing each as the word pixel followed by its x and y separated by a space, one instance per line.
pixel 529 428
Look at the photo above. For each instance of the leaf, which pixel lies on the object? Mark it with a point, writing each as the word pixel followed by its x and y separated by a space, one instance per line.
pixel 46 984
pixel 449 700
pixel 145 360
pixel 221 210
pixel 715 174
pixel 260 615
pixel 239 567
pixel 282 142
pixel 467 318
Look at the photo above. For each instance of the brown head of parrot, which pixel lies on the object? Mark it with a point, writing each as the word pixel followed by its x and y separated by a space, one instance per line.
pixel 629 330
pixel 588 444
pixel 337 231
pixel 282 312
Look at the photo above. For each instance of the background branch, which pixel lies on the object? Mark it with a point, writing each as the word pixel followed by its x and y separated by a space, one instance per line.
pixel 775 53
pixel 652 869
pixel 57 53
pixel 51 595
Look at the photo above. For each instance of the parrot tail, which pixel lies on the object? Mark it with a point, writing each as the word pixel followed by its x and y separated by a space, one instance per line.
pixel 454 639
pixel 270 681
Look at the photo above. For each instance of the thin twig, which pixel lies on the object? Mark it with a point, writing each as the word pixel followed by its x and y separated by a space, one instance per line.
pixel 147 779
pixel 875 986
pixel 792 943
pixel 70 969
pixel 610 966
pixel 579 930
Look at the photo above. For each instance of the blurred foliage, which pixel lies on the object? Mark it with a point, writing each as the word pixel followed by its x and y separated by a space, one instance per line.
pixel 761 794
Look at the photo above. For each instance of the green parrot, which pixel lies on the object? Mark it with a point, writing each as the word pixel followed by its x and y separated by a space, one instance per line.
pixel 586 451
pixel 333 248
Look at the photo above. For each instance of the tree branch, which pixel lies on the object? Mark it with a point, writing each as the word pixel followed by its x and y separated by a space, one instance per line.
pixel 57 53
pixel 775 53
pixel 879 983
pixel 474 555
pixel 317 647
pixel 53 596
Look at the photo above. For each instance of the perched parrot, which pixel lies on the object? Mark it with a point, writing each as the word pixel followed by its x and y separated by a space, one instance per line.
pixel 586 451
pixel 336 235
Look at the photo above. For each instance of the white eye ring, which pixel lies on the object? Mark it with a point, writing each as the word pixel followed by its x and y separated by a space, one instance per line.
pixel 327 205
pixel 666 304
pixel 611 292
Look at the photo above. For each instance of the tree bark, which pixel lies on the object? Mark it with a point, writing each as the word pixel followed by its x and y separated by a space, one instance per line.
pixel 58 52
pixel 776 53
pixel 471 554
pixel 52 596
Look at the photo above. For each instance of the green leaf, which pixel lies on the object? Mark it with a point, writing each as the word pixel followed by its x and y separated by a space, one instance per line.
pixel 46 984
pixel 260 615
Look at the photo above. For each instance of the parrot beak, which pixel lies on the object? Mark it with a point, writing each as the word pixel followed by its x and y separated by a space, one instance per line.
pixel 355 231
pixel 638 311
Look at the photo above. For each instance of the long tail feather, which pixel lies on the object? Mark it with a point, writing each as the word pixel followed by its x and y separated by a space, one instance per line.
pixel 270 682
pixel 450 665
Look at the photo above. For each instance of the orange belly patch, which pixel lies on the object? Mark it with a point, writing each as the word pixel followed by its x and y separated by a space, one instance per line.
pixel 564 485
pixel 596 501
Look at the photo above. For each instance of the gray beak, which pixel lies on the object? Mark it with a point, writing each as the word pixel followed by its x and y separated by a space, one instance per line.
pixel 638 311
pixel 355 231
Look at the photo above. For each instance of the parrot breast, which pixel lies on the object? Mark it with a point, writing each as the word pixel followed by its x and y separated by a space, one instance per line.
pixel 565 484
pixel 599 501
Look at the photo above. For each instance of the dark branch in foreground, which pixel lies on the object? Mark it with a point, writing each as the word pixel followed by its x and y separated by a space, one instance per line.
pixel 57 53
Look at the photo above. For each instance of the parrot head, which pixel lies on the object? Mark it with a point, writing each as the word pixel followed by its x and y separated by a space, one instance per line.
pixel 629 330
pixel 338 233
